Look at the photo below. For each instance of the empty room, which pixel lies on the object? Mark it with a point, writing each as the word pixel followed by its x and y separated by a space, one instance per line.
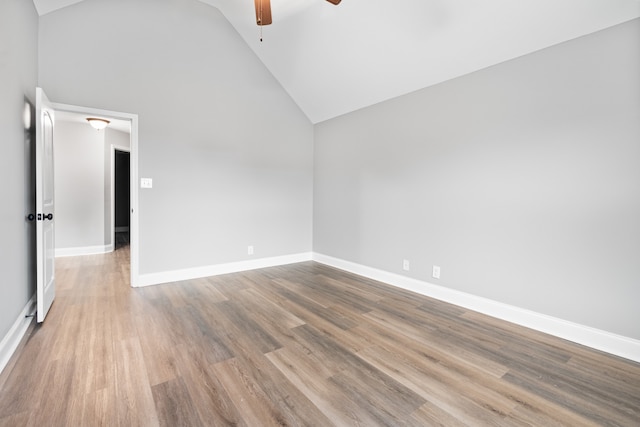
pixel 320 212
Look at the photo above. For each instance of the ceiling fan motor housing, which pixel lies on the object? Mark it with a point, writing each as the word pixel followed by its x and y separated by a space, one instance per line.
pixel 263 11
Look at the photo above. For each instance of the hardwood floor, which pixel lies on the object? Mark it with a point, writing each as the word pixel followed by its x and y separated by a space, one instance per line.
pixel 303 344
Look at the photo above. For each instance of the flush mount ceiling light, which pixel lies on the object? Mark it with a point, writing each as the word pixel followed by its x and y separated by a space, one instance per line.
pixel 98 124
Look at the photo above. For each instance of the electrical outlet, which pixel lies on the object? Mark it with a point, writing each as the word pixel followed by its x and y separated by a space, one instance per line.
pixel 249 250
pixel 405 265
pixel 436 272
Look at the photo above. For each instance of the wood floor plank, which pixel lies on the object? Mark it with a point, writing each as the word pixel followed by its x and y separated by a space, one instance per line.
pixel 307 302
pixel 245 328
pixel 455 369
pixel 209 396
pixel 444 392
pixel 58 376
pixel 174 405
pixel 302 373
pixel 575 400
pixel 203 290
pixel 398 332
pixel 228 284
pixel 157 347
pixel 260 407
pixel 135 405
pixel 319 321
pixel 617 377
pixel 327 293
pixel 20 419
pixel 19 384
pixel 295 408
pixel 100 408
pixel 431 415
pixel 266 311
pixel 338 406
pixel 295 345
pixel 387 401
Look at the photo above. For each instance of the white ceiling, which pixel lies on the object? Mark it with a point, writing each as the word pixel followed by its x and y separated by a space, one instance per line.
pixel 117 124
pixel 336 59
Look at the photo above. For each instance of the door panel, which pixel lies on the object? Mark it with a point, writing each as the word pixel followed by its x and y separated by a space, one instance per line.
pixel 45 222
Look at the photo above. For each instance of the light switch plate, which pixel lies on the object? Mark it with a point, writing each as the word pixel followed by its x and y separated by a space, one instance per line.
pixel 146 183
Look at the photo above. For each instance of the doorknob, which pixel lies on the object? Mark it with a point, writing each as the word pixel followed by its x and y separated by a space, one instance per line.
pixel 31 217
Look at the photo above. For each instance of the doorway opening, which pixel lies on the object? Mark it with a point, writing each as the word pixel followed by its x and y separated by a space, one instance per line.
pixel 125 174
pixel 121 197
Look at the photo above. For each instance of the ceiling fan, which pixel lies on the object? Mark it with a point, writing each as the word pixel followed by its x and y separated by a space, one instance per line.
pixel 263 11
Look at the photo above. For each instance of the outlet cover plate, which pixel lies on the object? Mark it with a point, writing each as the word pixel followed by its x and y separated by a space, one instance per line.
pixel 436 272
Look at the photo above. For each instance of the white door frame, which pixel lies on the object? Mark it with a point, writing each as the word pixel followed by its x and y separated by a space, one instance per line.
pixel 133 230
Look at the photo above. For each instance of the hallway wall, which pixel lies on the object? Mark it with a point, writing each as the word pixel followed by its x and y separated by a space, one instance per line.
pixel 18 80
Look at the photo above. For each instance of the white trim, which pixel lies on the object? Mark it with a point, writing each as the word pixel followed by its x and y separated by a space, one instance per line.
pixel 133 224
pixel 84 250
pixel 215 270
pixel 133 236
pixel 618 345
pixel 12 339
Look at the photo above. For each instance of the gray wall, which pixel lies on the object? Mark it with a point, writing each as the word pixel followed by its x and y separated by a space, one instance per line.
pixel 521 181
pixel 79 185
pixel 229 152
pixel 83 184
pixel 18 79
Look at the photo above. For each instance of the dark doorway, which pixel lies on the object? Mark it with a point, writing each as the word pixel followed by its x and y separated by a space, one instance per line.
pixel 122 199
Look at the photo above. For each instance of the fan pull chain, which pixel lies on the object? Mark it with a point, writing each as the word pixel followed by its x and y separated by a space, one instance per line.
pixel 261 11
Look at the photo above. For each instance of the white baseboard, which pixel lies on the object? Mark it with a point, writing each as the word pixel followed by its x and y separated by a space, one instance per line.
pixel 12 339
pixel 215 270
pixel 85 250
pixel 618 345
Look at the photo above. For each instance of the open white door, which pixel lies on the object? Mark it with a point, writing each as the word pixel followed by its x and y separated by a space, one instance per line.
pixel 46 284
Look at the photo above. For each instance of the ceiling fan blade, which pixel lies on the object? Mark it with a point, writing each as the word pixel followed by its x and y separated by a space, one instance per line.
pixel 263 12
pixel 336 2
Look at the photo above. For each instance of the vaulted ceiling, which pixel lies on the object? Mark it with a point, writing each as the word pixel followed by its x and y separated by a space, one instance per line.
pixel 336 59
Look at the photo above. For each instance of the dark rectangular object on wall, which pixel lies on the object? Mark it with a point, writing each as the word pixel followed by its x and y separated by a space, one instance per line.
pixel 122 190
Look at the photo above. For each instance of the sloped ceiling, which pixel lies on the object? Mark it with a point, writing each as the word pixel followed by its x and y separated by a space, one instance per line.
pixel 336 59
